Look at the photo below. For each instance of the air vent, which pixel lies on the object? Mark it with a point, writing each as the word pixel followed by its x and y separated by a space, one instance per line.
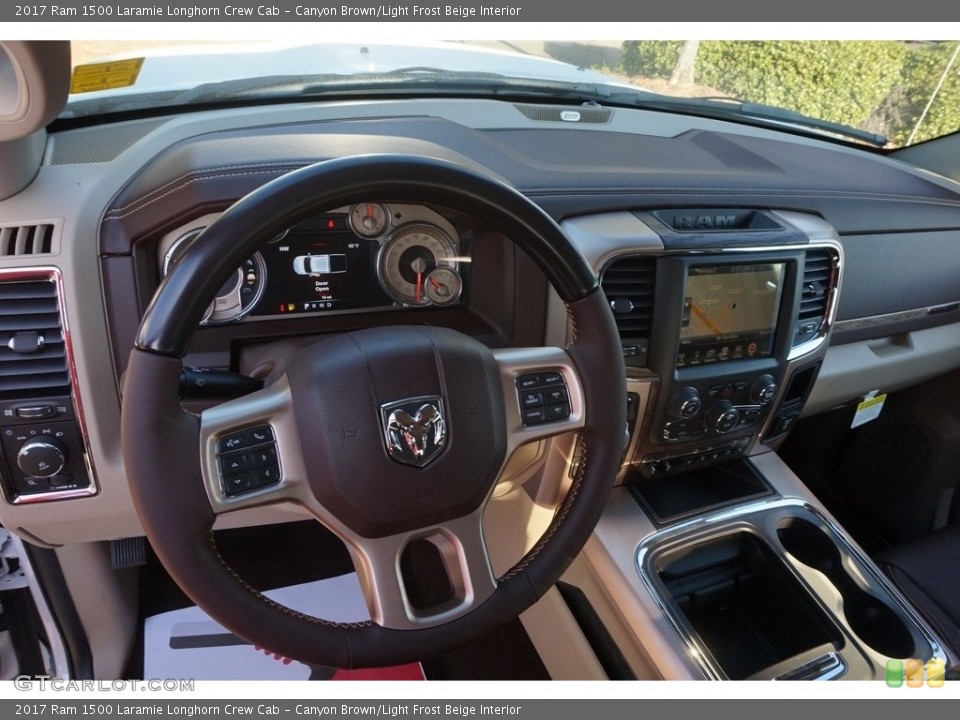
pixel 18 240
pixel 629 285
pixel 33 359
pixel 578 114
pixel 815 291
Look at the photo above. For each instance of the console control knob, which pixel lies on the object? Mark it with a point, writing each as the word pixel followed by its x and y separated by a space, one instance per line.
pixel 723 417
pixel 42 457
pixel 763 390
pixel 686 403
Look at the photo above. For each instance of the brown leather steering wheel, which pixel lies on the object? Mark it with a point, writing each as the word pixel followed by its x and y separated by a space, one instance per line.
pixel 328 421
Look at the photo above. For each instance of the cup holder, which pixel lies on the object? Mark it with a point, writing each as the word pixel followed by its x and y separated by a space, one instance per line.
pixel 872 619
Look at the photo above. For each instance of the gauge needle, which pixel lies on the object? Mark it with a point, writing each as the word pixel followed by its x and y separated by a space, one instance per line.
pixel 418 267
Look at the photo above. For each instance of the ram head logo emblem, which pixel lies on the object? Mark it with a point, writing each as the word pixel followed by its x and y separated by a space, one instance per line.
pixel 414 429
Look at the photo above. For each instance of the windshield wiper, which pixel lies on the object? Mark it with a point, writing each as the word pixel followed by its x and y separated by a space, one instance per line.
pixel 724 108
pixel 406 81
pixel 413 79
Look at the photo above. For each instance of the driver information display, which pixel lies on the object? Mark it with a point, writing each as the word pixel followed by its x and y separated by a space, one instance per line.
pixel 729 312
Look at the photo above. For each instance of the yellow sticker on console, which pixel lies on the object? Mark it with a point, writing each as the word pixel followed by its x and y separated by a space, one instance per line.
pixel 105 75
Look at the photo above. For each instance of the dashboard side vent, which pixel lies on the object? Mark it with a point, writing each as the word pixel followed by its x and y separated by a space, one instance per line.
pixel 16 240
pixel 629 285
pixel 815 291
pixel 33 358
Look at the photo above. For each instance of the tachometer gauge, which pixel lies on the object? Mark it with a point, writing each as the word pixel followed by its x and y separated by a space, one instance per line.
pixel 408 256
pixel 174 255
pixel 238 295
pixel 369 219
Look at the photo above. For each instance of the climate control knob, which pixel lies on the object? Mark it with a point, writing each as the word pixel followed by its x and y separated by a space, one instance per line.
pixel 723 417
pixel 42 457
pixel 763 390
pixel 685 404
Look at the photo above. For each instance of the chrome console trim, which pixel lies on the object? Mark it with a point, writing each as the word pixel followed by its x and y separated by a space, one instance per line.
pixel 759 518
pixel 53 274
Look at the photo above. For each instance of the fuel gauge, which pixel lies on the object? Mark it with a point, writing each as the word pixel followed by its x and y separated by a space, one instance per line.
pixel 443 286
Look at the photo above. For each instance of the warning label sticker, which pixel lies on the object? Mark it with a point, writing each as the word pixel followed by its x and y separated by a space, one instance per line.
pixel 105 75
pixel 869 409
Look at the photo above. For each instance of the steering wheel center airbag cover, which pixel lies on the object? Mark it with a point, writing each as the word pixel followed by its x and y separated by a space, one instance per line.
pixel 339 387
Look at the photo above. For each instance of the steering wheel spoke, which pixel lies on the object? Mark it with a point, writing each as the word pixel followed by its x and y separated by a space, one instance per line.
pixel 542 393
pixel 425 578
pixel 250 451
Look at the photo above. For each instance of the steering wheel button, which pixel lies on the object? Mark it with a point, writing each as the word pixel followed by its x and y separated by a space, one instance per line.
pixel 234 463
pixel 531 399
pixel 267 475
pixel 560 411
pixel 555 395
pixel 259 435
pixel 233 441
pixel 238 484
pixel 534 416
pixel 263 456
pixel 551 378
pixel 528 382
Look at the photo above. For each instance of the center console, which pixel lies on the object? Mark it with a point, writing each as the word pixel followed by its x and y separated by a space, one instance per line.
pixel 712 556
pixel 723 342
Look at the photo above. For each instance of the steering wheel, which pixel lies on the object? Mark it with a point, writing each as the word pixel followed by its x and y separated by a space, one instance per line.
pixel 386 435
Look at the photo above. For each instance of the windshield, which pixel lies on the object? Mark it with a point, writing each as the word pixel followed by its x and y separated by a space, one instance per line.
pixel 885 93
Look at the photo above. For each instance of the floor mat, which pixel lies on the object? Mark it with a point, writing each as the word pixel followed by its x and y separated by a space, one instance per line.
pixel 187 643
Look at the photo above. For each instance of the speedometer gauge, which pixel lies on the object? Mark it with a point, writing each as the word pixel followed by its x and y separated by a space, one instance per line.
pixel 408 256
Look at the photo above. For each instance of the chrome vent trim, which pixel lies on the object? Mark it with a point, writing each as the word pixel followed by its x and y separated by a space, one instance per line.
pixel 818 279
pixel 629 284
pixel 29 239
pixel 52 280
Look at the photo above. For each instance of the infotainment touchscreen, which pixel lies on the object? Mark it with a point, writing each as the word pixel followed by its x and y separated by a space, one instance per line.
pixel 729 312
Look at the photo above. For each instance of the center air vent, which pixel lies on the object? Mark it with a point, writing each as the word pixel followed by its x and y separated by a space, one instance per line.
pixel 815 291
pixel 629 285
pixel 33 359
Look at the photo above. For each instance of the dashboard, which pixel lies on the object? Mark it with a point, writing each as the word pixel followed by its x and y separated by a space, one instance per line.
pixel 755 276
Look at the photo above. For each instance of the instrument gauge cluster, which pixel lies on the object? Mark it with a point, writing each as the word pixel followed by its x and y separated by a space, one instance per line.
pixel 369 256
